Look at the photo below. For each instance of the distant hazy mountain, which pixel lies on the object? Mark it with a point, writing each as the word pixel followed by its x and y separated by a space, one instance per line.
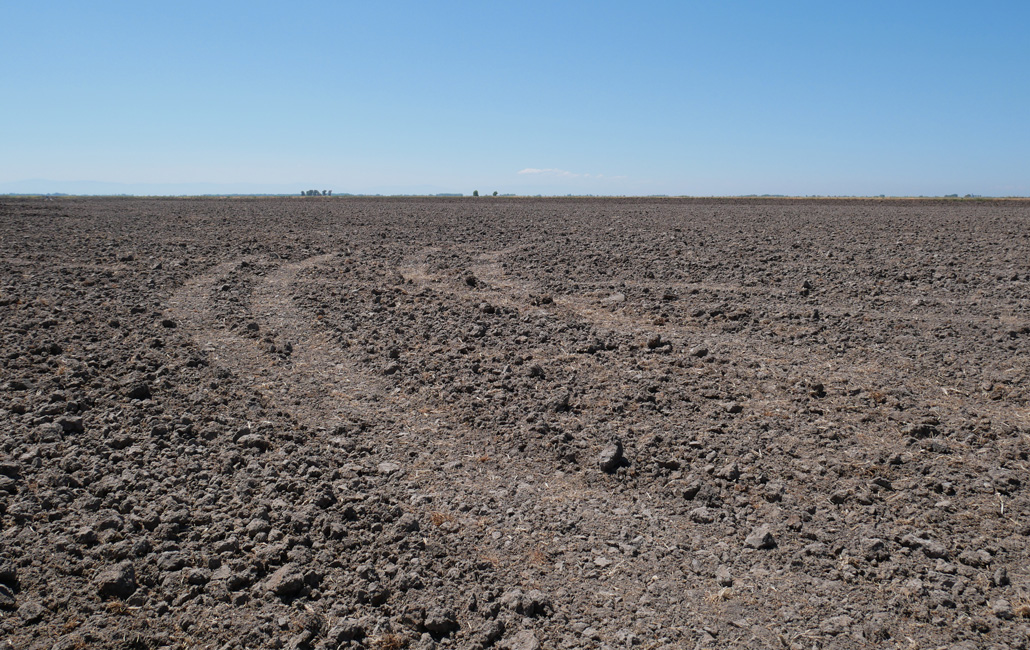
pixel 43 186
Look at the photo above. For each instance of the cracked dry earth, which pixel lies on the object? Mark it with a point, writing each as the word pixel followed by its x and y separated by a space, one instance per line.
pixel 514 423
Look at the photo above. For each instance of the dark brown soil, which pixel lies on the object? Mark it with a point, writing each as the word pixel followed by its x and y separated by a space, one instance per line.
pixel 514 423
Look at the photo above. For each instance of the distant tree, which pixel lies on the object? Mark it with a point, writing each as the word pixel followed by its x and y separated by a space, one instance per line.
pixel 475 192
pixel 495 192
pixel 330 192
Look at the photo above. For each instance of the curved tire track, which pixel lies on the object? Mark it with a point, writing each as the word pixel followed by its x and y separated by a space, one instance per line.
pixel 317 384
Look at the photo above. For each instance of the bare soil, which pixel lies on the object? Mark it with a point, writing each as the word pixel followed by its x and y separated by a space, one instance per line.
pixel 514 423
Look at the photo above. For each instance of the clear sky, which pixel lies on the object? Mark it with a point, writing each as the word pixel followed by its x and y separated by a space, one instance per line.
pixel 699 98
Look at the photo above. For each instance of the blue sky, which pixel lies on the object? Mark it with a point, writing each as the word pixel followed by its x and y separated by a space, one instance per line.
pixel 698 98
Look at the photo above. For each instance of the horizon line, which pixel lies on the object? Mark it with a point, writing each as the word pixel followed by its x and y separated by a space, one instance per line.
pixel 455 195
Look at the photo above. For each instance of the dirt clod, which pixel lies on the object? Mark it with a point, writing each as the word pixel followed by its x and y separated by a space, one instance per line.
pixel 611 457
pixel 116 582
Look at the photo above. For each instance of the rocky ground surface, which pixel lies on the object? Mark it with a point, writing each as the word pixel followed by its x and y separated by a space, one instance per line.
pixel 514 423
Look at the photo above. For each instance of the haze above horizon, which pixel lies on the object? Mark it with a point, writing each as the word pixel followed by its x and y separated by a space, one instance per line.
pixel 597 98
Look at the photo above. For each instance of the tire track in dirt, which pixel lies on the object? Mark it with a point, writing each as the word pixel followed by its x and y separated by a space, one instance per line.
pixel 320 383
pixel 498 286
pixel 316 384
pixel 592 310
pixel 879 368
pixel 455 466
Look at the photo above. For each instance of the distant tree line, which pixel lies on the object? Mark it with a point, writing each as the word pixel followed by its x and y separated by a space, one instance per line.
pixel 317 193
